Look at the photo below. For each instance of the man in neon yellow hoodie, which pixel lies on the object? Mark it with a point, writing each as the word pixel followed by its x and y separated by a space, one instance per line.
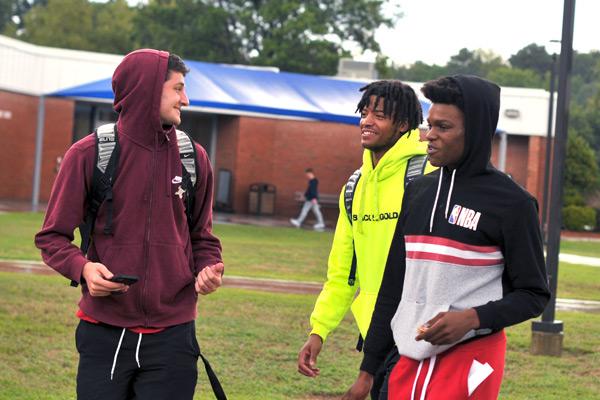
pixel 390 115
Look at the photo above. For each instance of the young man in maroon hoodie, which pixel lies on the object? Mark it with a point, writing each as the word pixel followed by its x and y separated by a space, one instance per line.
pixel 139 340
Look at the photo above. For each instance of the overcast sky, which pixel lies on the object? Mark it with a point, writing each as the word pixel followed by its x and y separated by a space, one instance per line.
pixel 434 30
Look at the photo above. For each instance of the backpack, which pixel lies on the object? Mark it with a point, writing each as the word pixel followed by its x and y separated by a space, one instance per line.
pixel 415 168
pixel 107 163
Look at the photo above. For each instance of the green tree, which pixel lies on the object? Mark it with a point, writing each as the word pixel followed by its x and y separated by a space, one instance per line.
pixel 586 65
pixel 465 62
pixel 113 27
pixel 532 57
pixel 80 25
pixel 12 14
pixel 6 13
pixel 303 35
pixel 190 28
pixel 60 23
pixel 581 170
pixel 419 72
pixel 515 77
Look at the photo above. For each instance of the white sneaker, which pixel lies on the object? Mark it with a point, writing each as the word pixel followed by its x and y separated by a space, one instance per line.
pixel 319 227
pixel 295 222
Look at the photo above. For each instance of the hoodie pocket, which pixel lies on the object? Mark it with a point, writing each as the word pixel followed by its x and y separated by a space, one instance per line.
pixel 408 318
pixel 362 308
pixel 126 259
pixel 171 277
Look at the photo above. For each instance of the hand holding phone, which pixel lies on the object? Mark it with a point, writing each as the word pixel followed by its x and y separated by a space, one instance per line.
pixel 125 279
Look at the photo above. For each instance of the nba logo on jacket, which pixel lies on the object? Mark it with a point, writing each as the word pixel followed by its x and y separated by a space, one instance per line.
pixel 465 217
pixel 454 215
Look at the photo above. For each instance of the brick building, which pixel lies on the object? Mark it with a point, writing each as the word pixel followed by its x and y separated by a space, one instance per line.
pixel 258 125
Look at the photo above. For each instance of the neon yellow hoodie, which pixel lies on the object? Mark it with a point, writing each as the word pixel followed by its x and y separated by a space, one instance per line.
pixel 375 211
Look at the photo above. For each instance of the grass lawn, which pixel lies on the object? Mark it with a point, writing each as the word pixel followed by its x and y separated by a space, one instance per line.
pixel 252 340
pixel 287 253
pixel 280 253
pixel 581 248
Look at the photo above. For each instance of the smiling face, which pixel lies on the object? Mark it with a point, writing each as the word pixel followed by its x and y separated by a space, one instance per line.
pixel 172 99
pixel 446 135
pixel 378 131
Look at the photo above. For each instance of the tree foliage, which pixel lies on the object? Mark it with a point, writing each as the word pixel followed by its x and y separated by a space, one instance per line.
pixel 79 25
pixel 295 35
pixel 12 13
pixel 60 23
pixel 302 35
pixel 532 57
pixel 516 77
pixel 581 170
pixel 189 28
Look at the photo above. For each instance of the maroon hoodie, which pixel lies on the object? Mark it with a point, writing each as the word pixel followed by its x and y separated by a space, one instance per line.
pixel 151 238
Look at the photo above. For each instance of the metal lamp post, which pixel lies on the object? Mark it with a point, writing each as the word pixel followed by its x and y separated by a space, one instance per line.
pixel 547 334
pixel 548 148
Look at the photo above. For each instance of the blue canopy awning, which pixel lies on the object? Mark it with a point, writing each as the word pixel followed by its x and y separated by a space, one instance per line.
pixel 256 91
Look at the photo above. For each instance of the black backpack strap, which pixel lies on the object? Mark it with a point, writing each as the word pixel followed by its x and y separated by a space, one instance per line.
pixel 359 343
pixel 187 154
pixel 348 199
pixel 415 168
pixel 349 193
pixel 107 180
pixel 214 381
pixel 107 160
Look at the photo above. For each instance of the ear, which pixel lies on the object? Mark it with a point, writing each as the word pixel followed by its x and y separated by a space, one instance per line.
pixel 402 127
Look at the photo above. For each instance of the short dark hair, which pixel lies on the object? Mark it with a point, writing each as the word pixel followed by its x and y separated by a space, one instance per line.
pixel 444 90
pixel 307 170
pixel 400 101
pixel 176 64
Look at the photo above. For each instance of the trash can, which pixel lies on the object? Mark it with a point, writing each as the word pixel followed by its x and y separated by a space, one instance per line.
pixel 261 199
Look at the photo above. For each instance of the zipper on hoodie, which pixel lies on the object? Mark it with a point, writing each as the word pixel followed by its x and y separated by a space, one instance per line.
pixel 147 235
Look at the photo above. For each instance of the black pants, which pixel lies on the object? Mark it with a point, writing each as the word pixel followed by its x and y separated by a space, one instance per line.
pixel 379 391
pixel 167 363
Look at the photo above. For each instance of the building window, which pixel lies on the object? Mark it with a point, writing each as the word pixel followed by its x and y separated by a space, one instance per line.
pixel 89 116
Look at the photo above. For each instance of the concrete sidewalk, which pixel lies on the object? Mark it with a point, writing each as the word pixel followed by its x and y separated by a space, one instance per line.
pixel 275 285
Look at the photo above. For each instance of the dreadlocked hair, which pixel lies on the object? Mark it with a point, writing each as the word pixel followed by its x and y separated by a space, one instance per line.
pixel 444 90
pixel 400 102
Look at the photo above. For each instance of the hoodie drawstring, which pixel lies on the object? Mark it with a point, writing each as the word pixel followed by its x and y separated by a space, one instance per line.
pixel 361 209
pixel 449 194
pixel 168 174
pixel 414 388
pixel 427 378
pixel 112 370
pixel 137 353
pixel 437 196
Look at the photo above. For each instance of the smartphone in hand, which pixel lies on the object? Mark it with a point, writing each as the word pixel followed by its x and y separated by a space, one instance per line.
pixel 125 279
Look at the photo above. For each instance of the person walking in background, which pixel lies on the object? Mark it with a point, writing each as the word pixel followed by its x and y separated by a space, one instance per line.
pixel 152 251
pixel 465 262
pixel 311 202
pixel 369 207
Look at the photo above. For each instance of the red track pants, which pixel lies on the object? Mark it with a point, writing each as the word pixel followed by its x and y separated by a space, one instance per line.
pixel 445 376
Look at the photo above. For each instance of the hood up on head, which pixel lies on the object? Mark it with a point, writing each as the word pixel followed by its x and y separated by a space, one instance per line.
pixel 481 109
pixel 137 84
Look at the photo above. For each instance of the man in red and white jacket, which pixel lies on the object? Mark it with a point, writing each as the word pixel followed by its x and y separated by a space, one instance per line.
pixel 466 260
